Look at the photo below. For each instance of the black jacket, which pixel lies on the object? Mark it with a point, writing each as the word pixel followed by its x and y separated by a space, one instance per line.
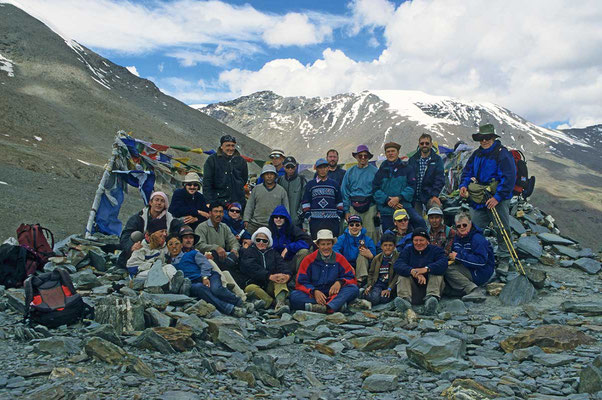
pixel 224 178
pixel 257 266
pixel 434 176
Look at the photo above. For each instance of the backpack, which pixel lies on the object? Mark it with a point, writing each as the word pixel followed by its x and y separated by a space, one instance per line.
pixel 51 300
pixel 13 265
pixel 34 238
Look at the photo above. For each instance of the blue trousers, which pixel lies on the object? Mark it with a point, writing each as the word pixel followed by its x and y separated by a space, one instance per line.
pixel 348 293
pixel 223 299
pixel 374 296
pixel 416 220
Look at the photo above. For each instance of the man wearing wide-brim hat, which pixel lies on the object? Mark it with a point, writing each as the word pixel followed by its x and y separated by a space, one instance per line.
pixel 263 200
pixel 188 203
pixel 394 188
pixel 326 281
pixel 488 181
pixel 356 190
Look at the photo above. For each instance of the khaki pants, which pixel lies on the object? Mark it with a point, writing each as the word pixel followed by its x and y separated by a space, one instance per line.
pixel 266 295
pixel 408 288
pixel 458 277
pixel 368 222
pixel 226 279
pixel 362 264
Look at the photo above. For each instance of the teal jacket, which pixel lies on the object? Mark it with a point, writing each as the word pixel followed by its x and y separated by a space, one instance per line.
pixel 393 179
pixel 357 182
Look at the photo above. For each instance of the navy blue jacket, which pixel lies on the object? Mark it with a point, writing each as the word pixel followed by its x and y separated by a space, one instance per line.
pixel 433 257
pixel 183 204
pixel 476 254
pixel 236 226
pixel 322 200
pixel 434 176
pixel 496 163
pixel 288 236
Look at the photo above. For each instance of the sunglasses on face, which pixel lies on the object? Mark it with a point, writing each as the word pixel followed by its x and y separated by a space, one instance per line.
pixel 424 143
pixel 235 211
pixel 363 156
pixel 402 220
pixel 278 217
pixel 193 184
pixel 275 156
pixel 290 167
pixel 461 226
pixel 259 240
pixel 355 224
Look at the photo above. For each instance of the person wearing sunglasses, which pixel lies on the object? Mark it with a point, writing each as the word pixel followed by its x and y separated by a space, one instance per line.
pixel 357 247
pixel 473 258
pixel 188 203
pixel 292 242
pixel 233 218
pixel 294 184
pixel 402 231
pixel 265 271
pixel 326 282
pixel 276 159
pixel 421 267
pixel 225 174
pixel 430 175
pixel 264 198
pixel 356 190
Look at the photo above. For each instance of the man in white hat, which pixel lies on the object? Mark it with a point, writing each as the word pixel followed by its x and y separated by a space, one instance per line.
pixel 277 160
pixel 263 200
pixel 326 281
pixel 188 203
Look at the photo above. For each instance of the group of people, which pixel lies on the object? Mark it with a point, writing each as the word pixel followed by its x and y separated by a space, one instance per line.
pixel 283 247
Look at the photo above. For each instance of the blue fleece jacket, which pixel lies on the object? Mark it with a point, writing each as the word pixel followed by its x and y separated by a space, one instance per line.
pixel 357 182
pixel 193 264
pixel 476 254
pixel 236 226
pixel 288 236
pixel 496 163
pixel 393 179
pixel 433 257
pixel 348 245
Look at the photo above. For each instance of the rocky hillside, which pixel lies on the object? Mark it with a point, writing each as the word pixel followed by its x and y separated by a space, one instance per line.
pixel 61 105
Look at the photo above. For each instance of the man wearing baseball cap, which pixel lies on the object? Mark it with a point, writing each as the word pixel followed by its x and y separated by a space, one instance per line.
pixel 357 247
pixel 441 235
pixel 402 230
pixel 225 174
pixel 276 159
pixel 322 202
pixel 394 187
pixel 356 190
pixel 263 200
pixel 294 184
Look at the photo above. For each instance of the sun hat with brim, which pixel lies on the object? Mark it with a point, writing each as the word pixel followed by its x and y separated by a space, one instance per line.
pixel 268 168
pixel 267 234
pixel 277 153
pixel 320 162
pixel 325 234
pixel 186 230
pixel 434 211
pixel 192 177
pixel 486 131
pixel 362 148
pixel 400 214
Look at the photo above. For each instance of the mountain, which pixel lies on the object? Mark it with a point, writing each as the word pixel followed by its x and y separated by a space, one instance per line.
pixel 566 163
pixel 61 105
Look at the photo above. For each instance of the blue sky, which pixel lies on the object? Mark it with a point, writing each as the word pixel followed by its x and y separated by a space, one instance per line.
pixel 540 59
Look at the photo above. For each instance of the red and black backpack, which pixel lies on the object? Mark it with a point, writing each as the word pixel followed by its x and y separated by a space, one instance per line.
pixel 524 185
pixel 35 239
pixel 51 300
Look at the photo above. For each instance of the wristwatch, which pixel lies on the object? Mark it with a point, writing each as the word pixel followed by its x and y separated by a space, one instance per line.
pixel 427 269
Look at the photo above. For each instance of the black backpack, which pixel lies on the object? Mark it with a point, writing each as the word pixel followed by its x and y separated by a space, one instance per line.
pixel 51 300
pixel 13 260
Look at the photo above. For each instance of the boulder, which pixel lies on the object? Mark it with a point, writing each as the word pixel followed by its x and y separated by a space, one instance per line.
pixel 588 308
pixel 157 318
pixel 553 360
pixel 537 277
pixel 377 383
pixel 378 342
pixel 590 377
pixel 231 338
pixel 517 226
pixel 85 280
pixel 588 265
pixel 107 332
pixel 179 338
pixel 526 354
pixel 517 291
pixel 550 338
pixel 530 246
pixel 436 352
pixel 469 390
pixel 156 276
pixel 58 346
pixel 566 251
pixel 197 325
pixel 124 313
pixel 16 300
pixel 109 353
pixel 151 340
pixel 201 308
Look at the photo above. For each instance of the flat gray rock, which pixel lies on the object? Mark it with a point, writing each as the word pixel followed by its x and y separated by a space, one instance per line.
pixel 566 251
pixel 151 340
pixel 156 277
pixel 517 291
pixel 530 246
pixel 377 383
pixel 551 238
pixel 588 265
pixel 588 308
pixel 517 226
pixel 432 352
pixel 553 360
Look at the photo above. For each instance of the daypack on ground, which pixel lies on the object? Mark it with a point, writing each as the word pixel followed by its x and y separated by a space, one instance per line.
pixel 51 300
pixel 35 238
pixel 13 260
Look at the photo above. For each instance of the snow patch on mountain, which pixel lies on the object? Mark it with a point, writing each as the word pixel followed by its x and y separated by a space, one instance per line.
pixel 6 65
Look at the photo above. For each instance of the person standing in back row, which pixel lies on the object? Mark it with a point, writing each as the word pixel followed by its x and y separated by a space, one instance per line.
pixel 430 176
pixel 225 174
pixel 294 184
pixel 276 159
pixel 335 172
pixel 264 199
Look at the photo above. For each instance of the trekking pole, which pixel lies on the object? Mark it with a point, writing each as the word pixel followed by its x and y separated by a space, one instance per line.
pixel 507 240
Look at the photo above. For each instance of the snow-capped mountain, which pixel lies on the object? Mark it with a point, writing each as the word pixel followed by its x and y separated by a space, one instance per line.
pixel 376 117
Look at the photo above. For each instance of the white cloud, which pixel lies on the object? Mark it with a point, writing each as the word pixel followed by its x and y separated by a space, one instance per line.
pixel 541 59
pixel 295 29
pixel 160 67
pixel 133 70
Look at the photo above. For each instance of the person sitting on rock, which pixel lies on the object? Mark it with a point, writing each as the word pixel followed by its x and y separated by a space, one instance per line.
pixel 402 232
pixel 233 218
pixel 152 248
pixel 441 235
pixel 188 203
pixel 292 242
pixel 357 247
pixel 326 281
pixel 266 272
pixel 474 260
pixel 206 283
pixel 382 278
pixel 189 239
pixel 421 267
pixel 156 209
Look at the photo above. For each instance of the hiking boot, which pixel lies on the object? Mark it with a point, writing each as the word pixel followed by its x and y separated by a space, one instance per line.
pixel 430 305
pixel 477 295
pixel 175 285
pixel 248 307
pixel 361 304
pixel 402 304
pixel 259 304
pixel 230 286
pixel 185 289
pixel 281 308
pixel 251 296
pixel 238 312
pixel 317 308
